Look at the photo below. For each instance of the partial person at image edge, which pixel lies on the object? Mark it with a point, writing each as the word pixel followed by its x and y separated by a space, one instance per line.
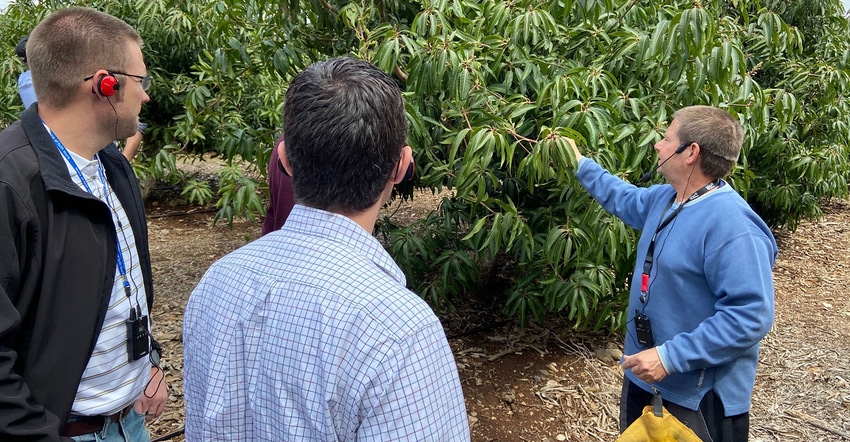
pixel 76 356
pixel 702 295
pixel 309 333
pixel 25 89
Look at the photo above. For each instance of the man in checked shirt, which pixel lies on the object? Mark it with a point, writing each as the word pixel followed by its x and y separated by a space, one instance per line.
pixel 308 333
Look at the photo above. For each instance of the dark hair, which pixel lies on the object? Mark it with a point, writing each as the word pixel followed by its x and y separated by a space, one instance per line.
pixel 21 48
pixel 344 130
pixel 718 134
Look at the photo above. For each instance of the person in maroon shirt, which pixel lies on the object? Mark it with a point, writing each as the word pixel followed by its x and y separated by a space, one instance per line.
pixel 280 192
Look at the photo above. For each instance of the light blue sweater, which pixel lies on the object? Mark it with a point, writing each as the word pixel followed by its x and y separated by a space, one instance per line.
pixel 710 298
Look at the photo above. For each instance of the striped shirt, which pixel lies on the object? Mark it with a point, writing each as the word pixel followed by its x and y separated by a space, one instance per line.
pixel 309 334
pixel 110 382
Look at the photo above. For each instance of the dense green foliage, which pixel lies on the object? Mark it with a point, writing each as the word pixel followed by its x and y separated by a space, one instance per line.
pixel 493 88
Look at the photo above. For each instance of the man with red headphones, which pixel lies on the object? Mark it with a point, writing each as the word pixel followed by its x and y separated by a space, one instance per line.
pixel 77 359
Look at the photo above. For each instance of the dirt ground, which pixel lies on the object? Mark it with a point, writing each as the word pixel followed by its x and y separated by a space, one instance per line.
pixel 552 383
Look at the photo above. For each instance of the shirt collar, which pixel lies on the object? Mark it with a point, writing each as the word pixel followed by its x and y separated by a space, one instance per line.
pixel 81 163
pixel 340 228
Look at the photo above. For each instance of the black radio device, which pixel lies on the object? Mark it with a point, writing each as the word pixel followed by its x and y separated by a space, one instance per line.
pixel 643 329
pixel 138 339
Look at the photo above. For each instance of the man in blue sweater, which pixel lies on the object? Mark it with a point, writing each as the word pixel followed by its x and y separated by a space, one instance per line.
pixel 702 291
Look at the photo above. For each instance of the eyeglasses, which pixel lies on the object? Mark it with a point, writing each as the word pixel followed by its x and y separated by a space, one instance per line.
pixel 144 80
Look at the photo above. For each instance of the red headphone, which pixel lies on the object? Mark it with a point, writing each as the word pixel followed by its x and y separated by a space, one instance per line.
pixel 107 85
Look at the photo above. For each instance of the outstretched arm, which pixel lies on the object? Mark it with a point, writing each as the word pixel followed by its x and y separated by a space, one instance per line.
pixel 576 152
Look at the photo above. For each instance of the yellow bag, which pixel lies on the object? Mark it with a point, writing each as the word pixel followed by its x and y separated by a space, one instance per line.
pixel 656 424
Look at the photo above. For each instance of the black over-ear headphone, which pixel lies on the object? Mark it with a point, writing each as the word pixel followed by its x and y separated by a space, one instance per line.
pixel 408 174
pixel 107 85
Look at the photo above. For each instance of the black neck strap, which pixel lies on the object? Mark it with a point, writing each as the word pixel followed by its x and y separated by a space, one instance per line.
pixel 650 251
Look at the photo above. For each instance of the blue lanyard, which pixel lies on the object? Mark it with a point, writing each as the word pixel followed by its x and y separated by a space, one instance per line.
pixel 119 257
pixel 647 262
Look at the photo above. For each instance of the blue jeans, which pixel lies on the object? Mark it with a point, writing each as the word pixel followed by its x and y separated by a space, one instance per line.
pixel 131 428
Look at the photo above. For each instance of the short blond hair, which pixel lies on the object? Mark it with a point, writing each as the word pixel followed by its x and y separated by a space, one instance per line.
pixel 719 135
pixel 72 43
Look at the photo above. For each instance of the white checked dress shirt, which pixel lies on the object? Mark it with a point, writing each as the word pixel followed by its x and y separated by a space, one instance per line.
pixel 309 334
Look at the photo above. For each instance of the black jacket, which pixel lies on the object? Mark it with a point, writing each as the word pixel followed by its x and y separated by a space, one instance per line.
pixel 57 267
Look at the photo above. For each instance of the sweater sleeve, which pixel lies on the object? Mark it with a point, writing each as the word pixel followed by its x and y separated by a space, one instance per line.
pixel 619 198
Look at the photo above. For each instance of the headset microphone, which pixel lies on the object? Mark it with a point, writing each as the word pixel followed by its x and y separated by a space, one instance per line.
pixel 648 175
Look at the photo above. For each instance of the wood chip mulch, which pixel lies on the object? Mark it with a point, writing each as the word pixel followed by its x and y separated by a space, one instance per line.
pixel 803 381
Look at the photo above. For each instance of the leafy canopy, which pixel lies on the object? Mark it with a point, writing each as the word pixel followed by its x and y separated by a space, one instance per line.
pixel 492 89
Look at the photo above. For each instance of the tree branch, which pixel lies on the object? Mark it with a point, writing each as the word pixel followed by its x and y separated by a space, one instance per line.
pixel 329 7
pixel 399 73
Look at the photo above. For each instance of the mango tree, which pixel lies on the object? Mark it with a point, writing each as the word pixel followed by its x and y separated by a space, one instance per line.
pixel 493 88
